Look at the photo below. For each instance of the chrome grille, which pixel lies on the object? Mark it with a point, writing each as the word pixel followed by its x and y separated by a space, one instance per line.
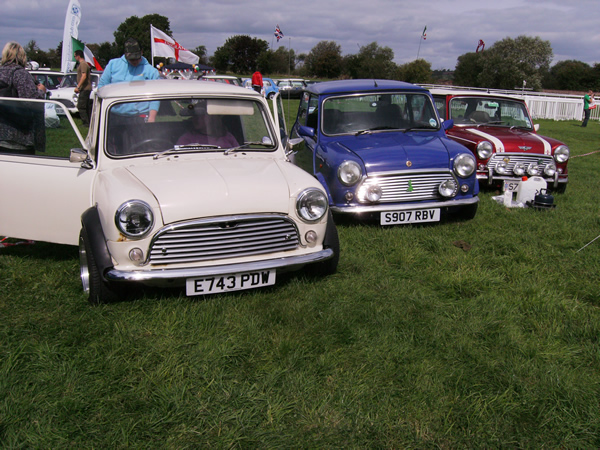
pixel 229 237
pixel 410 187
pixel 514 158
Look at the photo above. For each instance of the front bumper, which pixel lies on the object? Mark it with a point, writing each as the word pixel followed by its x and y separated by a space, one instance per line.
pixel 178 276
pixel 492 179
pixel 385 207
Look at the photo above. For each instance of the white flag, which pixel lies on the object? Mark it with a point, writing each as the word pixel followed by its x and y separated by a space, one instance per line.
pixel 71 29
pixel 165 45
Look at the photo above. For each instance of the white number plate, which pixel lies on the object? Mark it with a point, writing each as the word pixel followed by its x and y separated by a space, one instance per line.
pixel 232 282
pixel 414 216
pixel 511 186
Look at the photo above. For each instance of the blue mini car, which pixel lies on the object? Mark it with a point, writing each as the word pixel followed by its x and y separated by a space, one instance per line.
pixel 269 86
pixel 380 150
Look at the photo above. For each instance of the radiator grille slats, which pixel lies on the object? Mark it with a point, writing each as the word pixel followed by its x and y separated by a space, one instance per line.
pixel 409 188
pixel 229 238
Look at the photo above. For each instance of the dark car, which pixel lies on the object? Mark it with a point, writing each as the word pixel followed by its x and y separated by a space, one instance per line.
pixel 380 150
pixel 291 87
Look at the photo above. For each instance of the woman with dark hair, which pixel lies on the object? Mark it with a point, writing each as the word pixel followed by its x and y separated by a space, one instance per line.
pixel 21 125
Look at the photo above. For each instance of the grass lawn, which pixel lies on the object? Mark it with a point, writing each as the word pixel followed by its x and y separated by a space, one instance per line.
pixel 460 334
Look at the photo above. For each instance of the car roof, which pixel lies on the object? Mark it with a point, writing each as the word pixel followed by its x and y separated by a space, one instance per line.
pixel 46 72
pixel 232 77
pixel 471 93
pixel 171 87
pixel 357 86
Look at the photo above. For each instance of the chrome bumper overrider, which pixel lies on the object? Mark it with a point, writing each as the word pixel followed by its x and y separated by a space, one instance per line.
pixel 381 207
pixel 290 263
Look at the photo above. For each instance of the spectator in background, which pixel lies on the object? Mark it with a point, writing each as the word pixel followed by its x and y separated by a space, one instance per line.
pixel 257 82
pixel 22 128
pixel 588 100
pixel 131 66
pixel 83 88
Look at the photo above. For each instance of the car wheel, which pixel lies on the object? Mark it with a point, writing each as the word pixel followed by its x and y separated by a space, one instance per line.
pixel 271 95
pixel 468 212
pixel 331 241
pixel 99 291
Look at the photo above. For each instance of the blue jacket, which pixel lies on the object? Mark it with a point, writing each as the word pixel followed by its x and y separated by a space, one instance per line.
pixel 119 70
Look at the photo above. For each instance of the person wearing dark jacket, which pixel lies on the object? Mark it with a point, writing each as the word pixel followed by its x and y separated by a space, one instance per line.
pixel 22 128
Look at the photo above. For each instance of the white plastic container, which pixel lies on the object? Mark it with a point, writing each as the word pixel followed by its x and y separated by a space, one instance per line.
pixel 528 188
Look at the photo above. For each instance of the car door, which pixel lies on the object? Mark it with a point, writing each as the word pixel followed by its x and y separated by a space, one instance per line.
pixel 43 194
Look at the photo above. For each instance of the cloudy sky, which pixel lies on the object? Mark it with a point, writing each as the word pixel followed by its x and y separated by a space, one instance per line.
pixel 453 27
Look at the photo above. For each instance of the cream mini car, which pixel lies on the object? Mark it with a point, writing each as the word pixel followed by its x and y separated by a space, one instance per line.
pixel 178 183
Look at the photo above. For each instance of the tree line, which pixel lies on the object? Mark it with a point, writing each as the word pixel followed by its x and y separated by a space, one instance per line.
pixel 522 62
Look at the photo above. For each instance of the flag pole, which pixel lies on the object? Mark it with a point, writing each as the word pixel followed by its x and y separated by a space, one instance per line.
pixel 152 44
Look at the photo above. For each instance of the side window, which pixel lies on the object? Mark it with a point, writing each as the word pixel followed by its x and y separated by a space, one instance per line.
pixel 313 112
pixel 440 105
pixel 303 109
pixel 35 129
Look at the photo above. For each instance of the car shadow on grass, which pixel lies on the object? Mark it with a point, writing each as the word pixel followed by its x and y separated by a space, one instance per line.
pixel 40 250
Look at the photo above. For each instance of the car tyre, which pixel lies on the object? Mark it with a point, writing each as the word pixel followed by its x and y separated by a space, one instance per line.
pixel 99 291
pixel 271 95
pixel 468 212
pixel 331 241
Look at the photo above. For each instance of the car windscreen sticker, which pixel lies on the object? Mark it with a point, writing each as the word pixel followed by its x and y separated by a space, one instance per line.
pixel 432 122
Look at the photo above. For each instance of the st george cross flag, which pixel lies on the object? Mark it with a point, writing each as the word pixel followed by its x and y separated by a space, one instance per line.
pixel 87 53
pixel 278 33
pixel 165 45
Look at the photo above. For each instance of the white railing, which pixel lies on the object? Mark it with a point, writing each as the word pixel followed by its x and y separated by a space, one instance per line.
pixel 542 105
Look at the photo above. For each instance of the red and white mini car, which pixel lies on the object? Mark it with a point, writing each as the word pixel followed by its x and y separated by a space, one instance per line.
pixel 499 131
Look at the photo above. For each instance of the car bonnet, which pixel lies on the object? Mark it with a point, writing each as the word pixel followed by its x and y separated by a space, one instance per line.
pixel 398 151
pixel 508 140
pixel 220 186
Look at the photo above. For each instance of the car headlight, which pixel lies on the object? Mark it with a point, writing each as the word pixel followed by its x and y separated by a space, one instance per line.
pixel 464 165
pixel 349 173
pixel 312 205
pixel 484 149
pixel 134 218
pixel 448 188
pixel 561 154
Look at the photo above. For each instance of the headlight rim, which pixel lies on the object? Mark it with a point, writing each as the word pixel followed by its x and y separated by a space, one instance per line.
pixel 562 153
pixel 127 233
pixel 460 161
pixel 300 208
pixel 480 149
pixel 346 164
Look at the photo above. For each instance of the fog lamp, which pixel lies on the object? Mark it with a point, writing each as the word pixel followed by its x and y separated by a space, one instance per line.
pixel 502 168
pixel 448 188
pixel 550 170
pixel 519 169
pixel 533 170
pixel 464 188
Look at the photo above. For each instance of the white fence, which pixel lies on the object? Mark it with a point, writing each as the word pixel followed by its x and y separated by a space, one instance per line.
pixel 541 105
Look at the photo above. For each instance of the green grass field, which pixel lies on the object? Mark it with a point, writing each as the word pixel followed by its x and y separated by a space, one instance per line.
pixel 460 334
